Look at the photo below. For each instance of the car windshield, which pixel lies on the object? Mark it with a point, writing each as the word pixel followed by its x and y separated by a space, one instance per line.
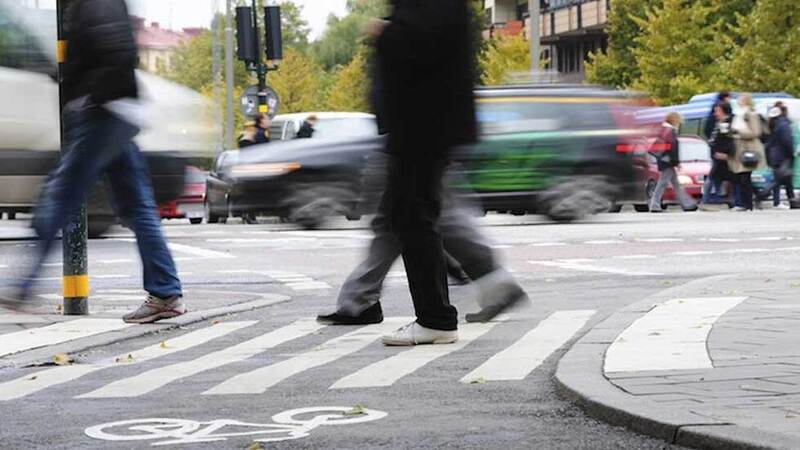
pixel 694 150
pixel 346 127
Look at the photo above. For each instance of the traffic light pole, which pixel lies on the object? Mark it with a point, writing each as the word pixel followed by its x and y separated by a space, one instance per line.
pixel 261 69
pixel 75 234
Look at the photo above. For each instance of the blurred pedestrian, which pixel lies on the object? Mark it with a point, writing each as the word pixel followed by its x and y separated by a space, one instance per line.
pixel 780 156
pixel 423 52
pixel 749 155
pixel 100 90
pixel 262 135
pixel 359 297
pixel 669 160
pixel 248 136
pixel 712 193
pixel 722 149
pixel 307 128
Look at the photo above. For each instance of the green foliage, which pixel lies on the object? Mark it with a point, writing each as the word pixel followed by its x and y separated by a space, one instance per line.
pixel 503 57
pixel 677 53
pixel 617 66
pixel 769 58
pixel 297 83
pixel 295 29
pixel 341 41
pixel 350 88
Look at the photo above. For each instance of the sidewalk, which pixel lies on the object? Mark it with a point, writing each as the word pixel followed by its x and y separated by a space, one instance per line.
pixel 27 339
pixel 711 364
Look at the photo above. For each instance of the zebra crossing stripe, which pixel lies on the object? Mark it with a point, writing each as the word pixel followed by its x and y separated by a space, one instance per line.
pixel 259 380
pixel 524 356
pixel 154 379
pixel 57 333
pixel 44 379
pixel 388 371
pixel 672 336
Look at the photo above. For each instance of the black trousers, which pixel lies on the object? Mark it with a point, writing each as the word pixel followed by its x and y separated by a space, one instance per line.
pixel 412 202
pixel 745 184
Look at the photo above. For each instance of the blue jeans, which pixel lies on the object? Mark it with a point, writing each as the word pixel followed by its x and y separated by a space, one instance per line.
pixel 101 144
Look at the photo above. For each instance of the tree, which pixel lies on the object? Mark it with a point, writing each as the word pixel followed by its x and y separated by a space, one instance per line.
pixel 295 29
pixel 769 58
pixel 342 39
pixel 678 53
pixel 503 56
pixel 617 65
pixel 350 88
pixel 297 83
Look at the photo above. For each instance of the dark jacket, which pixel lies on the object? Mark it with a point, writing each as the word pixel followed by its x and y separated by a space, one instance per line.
pixel 306 131
pixel 668 155
pixel 780 145
pixel 424 77
pixel 722 141
pixel 262 136
pixel 101 52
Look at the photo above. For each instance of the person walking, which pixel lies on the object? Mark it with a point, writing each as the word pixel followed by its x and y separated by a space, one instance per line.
pixel 669 160
pixel 99 85
pixel 780 156
pixel 424 57
pixel 359 297
pixel 722 149
pixel 749 154
pixel 713 193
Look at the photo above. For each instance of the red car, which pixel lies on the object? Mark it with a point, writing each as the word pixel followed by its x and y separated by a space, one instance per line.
pixel 695 165
pixel 190 204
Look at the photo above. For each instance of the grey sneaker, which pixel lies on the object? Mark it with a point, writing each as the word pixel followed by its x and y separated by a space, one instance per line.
pixel 154 309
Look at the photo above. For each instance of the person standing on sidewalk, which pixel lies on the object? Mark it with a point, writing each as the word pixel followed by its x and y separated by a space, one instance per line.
pixel 712 192
pixel 101 119
pixel 749 155
pixel 780 155
pixel 722 149
pixel 424 57
pixel 669 160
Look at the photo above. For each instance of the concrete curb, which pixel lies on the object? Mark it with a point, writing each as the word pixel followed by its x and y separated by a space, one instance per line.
pixel 580 378
pixel 44 355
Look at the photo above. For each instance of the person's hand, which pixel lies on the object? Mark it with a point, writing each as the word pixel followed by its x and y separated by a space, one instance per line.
pixel 375 27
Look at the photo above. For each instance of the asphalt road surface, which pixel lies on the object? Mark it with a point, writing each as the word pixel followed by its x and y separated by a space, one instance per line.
pixel 274 374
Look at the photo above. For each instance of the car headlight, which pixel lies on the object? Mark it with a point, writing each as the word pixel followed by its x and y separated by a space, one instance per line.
pixel 269 170
pixel 685 179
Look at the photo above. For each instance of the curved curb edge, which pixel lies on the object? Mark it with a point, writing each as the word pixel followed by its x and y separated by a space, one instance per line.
pixel 580 379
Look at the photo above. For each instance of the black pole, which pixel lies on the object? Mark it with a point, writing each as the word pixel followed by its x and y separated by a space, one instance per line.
pixel 75 234
pixel 261 69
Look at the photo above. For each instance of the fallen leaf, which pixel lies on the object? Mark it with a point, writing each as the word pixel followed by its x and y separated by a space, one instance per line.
pixel 163 344
pixel 256 446
pixel 126 359
pixel 62 359
pixel 480 380
pixel 60 308
pixel 33 377
pixel 357 410
pixel 214 322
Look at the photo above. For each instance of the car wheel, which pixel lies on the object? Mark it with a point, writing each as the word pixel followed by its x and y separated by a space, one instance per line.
pixel 577 198
pixel 196 220
pixel 310 206
pixel 209 216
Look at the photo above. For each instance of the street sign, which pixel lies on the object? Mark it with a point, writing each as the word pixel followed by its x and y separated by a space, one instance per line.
pixel 249 102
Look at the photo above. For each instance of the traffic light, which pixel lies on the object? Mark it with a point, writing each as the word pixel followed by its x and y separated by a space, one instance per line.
pixel 274 37
pixel 246 37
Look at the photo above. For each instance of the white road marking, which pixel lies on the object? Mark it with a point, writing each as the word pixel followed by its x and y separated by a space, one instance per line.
pixel 549 244
pixel 116 261
pixel 697 253
pixel 386 372
pixel 110 277
pixel 154 379
pixel 50 265
pixel 672 336
pixel 188 250
pixel 259 380
pixel 747 250
pixel 576 260
pixel 590 268
pixel 721 240
pixel 524 356
pixel 57 333
pixel 605 242
pixel 35 382
pixel 656 240
pixel 636 257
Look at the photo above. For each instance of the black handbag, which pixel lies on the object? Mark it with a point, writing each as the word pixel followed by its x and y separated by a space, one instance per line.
pixel 749 159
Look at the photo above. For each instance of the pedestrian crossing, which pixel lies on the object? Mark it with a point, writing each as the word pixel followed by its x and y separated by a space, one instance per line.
pixel 505 360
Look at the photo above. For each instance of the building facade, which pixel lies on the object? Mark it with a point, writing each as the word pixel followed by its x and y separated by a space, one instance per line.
pixel 569 30
pixel 157 45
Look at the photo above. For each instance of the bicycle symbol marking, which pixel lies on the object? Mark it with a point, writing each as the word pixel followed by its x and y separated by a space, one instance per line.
pixel 286 426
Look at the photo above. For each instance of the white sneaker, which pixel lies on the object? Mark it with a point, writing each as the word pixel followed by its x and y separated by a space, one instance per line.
pixel 783 206
pixel 416 334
